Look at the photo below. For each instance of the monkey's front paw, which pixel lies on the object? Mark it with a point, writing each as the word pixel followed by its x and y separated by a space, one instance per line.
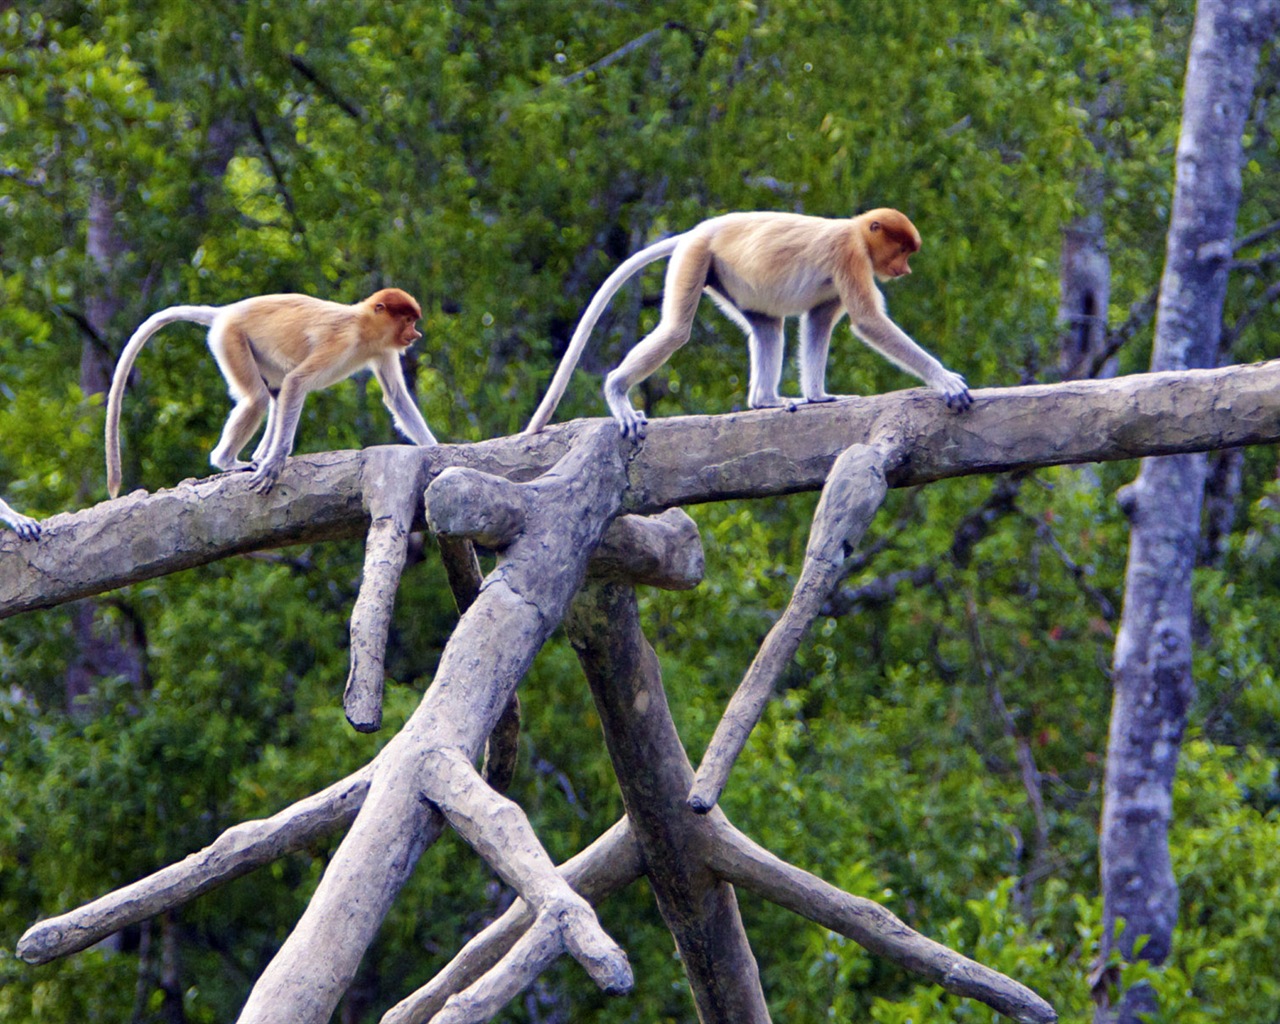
pixel 954 390
pixel 265 476
pixel 633 424
pixel 28 529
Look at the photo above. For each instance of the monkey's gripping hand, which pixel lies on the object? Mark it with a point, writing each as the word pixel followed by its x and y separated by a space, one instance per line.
pixel 632 423
pixel 953 388
pixel 26 527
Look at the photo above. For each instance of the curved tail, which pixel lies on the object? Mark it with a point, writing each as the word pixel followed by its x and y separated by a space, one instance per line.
pixel 655 252
pixel 191 314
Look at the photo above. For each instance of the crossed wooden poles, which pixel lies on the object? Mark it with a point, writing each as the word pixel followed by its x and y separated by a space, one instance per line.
pixel 568 552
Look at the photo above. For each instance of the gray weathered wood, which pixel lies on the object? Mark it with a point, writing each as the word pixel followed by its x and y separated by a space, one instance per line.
pixel 1152 671
pixel 684 460
pixel 654 775
pixel 394 480
pixel 740 861
pixel 478 506
pixel 236 852
pixel 609 864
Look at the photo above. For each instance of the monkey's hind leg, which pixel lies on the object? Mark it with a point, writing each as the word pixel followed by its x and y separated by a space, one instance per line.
pixel 264 445
pixel 764 345
pixel 686 276
pixel 230 348
pixel 815 341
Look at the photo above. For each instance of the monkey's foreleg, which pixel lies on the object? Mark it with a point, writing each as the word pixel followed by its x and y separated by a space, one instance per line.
pixel 883 335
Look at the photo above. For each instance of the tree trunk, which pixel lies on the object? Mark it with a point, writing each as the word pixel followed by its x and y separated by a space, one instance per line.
pixel 1152 665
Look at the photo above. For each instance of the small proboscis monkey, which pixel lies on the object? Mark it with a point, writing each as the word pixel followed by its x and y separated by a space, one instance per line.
pixel 26 527
pixel 272 350
pixel 760 268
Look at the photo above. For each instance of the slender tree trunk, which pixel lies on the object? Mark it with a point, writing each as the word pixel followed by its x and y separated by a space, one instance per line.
pixel 1152 665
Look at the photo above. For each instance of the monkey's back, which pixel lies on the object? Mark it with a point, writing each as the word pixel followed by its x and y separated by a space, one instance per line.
pixel 283 330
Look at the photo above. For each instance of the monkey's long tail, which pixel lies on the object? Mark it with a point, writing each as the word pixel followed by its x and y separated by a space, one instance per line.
pixel 190 314
pixel 655 252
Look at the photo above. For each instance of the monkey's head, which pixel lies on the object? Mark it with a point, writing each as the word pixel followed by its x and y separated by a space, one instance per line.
pixel 401 311
pixel 891 239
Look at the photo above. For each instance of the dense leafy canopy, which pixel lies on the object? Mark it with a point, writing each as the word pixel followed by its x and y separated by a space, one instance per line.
pixel 496 159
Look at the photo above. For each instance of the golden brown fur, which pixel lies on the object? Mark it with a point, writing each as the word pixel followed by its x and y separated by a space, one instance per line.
pixel 272 350
pixel 760 268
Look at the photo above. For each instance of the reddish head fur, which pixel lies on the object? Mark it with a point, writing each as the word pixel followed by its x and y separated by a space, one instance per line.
pixel 399 305
pixel 891 239
pixel 397 302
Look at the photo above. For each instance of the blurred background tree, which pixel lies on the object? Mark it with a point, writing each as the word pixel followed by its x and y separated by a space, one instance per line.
pixel 939 744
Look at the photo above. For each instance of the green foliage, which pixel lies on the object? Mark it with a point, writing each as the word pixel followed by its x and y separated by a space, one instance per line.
pixel 497 160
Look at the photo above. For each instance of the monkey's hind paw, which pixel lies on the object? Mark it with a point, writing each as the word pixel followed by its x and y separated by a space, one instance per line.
pixel 27 529
pixel 960 402
pixel 264 478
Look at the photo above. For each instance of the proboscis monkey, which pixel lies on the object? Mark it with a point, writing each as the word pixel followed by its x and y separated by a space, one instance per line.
pixel 760 268
pixel 26 527
pixel 272 350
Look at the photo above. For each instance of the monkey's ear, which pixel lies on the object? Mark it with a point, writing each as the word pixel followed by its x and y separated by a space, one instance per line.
pixel 875 226
pixel 378 307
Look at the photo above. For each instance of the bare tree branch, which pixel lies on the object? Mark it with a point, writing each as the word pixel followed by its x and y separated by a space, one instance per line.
pixel 740 861
pixel 392 488
pixel 851 497
pixel 236 852
pixel 685 460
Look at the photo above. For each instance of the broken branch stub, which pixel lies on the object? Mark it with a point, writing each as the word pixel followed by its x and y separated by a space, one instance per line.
pixel 487 509
pixel 391 483
pixel 661 551
pixel 854 491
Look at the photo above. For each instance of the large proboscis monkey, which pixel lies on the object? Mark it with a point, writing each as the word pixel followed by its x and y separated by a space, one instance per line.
pixel 760 268
pixel 26 527
pixel 272 350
